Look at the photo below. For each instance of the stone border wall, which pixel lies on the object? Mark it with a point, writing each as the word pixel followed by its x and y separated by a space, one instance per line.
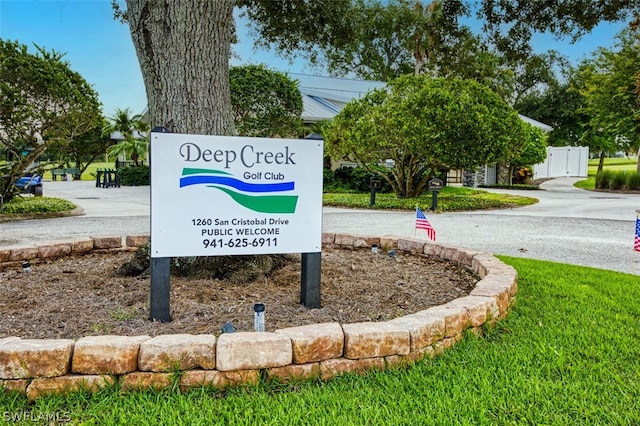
pixel 38 367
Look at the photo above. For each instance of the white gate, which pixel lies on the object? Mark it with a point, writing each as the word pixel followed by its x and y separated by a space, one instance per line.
pixel 563 161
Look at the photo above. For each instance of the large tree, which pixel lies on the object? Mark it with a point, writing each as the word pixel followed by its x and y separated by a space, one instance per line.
pixel 81 151
pixel 184 48
pixel 392 38
pixel 512 23
pixel 610 93
pixel 559 106
pixel 426 125
pixel 42 102
pixel 397 37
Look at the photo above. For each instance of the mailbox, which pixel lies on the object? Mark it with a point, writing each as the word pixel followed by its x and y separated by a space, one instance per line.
pixel 435 185
pixel 375 182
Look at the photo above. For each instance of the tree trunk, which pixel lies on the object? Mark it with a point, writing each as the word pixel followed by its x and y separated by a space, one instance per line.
pixel 601 162
pixel 183 48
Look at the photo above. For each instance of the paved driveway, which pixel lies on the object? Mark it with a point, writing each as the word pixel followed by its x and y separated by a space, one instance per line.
pixel 567 224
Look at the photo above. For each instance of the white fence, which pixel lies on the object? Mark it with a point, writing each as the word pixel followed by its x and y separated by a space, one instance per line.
pixel 563 161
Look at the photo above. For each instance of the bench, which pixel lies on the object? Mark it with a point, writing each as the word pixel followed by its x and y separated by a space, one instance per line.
pixel 73 171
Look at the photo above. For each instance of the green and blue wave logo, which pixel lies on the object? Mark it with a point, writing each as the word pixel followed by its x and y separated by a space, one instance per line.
pixel 244 193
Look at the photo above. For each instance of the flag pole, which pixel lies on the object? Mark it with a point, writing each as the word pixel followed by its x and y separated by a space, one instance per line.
pixel 636 248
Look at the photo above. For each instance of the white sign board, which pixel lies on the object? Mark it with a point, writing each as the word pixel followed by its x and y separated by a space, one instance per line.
pixel 223 195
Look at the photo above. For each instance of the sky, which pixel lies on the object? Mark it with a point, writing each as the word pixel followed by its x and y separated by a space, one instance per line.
pixel 100 48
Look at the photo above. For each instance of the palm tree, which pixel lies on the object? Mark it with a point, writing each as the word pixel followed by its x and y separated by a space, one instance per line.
pixel 129 128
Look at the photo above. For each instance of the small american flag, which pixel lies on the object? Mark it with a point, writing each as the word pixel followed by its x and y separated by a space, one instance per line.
pixel 423 223
pixel 636 241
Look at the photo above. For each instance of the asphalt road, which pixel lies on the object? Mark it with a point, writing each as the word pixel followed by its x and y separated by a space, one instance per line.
pixel 567 225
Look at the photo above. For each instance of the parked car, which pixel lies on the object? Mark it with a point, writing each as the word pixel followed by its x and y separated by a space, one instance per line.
pixel 30 184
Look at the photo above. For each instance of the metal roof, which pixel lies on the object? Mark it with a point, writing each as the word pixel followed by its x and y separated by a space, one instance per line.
pixel 536 123
pixel 324 97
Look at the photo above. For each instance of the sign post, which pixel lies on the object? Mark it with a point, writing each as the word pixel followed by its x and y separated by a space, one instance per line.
pixel 375 183
pixel 435 185
pixel 160 278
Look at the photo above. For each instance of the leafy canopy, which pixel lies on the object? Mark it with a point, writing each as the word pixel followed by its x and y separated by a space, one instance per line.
pixel 265 103
pixel 610 92
pixel 424 125
pixel 131 129
pixel 42 102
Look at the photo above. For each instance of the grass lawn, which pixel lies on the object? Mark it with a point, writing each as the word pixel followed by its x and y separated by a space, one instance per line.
pixel 615 164
pixel 567 354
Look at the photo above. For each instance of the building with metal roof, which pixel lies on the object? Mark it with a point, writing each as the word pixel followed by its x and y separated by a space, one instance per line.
pixel 324 97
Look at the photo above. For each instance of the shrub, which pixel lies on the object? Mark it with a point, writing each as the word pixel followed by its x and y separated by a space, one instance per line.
pixel 351 179
pixel 603 179
pixel 135 176
pixel 618 181
pixel 633 181
pixel 22 205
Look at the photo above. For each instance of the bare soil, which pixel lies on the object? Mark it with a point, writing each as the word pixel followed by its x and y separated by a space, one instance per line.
pixel 82 295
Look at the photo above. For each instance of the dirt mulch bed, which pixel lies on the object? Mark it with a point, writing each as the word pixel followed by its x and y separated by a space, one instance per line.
pixel 82 295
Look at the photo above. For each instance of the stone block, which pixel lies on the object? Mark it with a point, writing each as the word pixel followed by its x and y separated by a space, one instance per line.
pixel 504 278
pixel 54 250
pixel 173 352
pixel 455 318
pixel 394 361
pixel 218 379
pixel 4 255
pixel 483 262
pixel 19 385
pixel 295 371
pixel 101 243
pixel 499 294
pixel 136 240
pixel 411 245
pixel 339 366
pixel 106 354
pixel 249 350
pixel 315 342
pixel 29 358
pixel 365 242
pixel 344 240
pixel 388 242
pixel 328 238
pixel 145 380
pixel 82 245
pixel 446 343
pixel 478 308
pixel 23 253
pixel 460 254
pixel 432 249
pixel 375 339
pixel 423 329
pixel 66 384
pixel 202 378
